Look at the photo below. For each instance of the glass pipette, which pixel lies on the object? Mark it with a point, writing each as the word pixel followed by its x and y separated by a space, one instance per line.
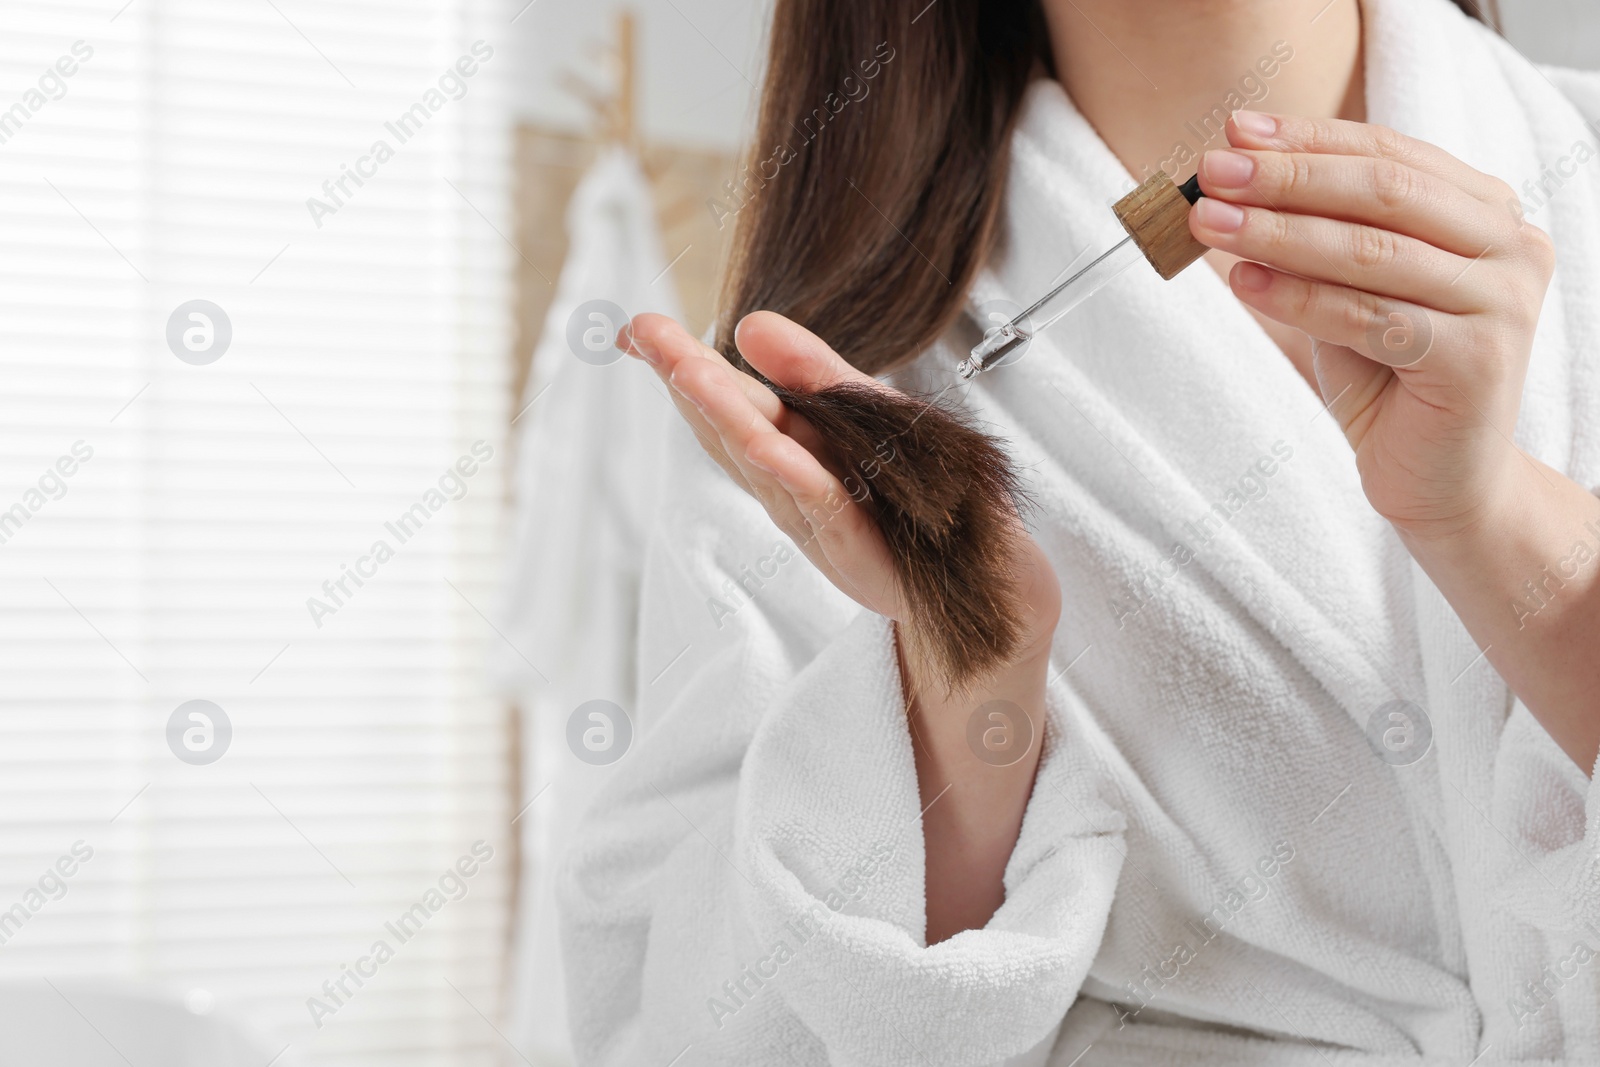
pixel 1002 340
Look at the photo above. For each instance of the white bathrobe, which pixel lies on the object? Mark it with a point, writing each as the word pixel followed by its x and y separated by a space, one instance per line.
pixel 586 480
pixel 1216 865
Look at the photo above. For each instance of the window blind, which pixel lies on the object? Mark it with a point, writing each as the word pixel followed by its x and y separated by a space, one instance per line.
pixel 255 322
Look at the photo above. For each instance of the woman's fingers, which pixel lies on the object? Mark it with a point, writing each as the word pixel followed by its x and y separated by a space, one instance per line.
pixel 719 400
pixel 773 453
pixel 791 355
pixel 794 358
pixel 663 343
pixel 1345 253
pixel 1377 192
pixel 725 406
pixel 733 422
pixel 1391 332
pixel 839 534
pixel 801 496
pixel 1339 137
pixel 1360 206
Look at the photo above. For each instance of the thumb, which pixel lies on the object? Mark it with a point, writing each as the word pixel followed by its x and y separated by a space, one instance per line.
pixel 791 356
pixel 1349 383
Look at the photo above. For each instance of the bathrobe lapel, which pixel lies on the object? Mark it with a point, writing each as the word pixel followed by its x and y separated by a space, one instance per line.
pixel 1173 405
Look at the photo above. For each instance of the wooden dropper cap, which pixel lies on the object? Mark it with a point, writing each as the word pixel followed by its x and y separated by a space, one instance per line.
pixel 1156 216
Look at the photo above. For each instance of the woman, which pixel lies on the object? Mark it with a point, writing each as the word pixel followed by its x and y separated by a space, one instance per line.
pixel 1280 751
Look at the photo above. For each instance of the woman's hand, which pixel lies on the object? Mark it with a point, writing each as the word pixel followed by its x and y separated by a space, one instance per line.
pixel 973 804
pixel 1419 285
pixel 768 450
pixel 778 459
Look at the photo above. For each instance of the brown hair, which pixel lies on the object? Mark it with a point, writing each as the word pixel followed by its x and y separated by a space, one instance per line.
pixel 868 205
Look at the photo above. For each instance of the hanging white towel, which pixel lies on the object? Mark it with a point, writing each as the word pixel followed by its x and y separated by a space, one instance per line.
pixel 1216 865
pixel 587 477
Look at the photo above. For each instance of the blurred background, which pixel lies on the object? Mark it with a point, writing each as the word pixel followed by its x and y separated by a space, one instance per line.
pixel 321 498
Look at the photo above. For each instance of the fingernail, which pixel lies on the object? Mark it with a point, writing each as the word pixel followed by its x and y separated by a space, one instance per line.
pixel 1219 215
pixel 1255 123
pixel 1228 170
pixel 1252 277
pixel 629 343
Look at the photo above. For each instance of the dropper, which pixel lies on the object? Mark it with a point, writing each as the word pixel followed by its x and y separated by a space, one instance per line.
pixel 1156 216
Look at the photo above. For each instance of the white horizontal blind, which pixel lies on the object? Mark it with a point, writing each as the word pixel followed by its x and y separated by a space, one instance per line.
pixel 198 507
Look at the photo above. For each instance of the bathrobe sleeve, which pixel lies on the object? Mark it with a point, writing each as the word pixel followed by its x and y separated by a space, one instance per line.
pixel 1546 809
pixel 1549 811
pixel 749 887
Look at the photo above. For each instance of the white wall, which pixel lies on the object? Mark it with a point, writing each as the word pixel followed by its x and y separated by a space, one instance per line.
pixel 699 62
pixel 700 59
pixel 1564 32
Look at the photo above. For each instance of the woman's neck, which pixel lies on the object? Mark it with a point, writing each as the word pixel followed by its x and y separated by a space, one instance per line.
pixel 1157 78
